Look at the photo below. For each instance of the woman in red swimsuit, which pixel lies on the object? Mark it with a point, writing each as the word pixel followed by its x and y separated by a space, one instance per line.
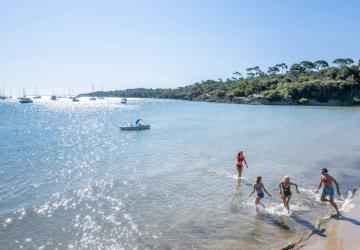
pixel 239 165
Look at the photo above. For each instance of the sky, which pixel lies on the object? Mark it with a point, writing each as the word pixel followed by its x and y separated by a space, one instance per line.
pixel 57 45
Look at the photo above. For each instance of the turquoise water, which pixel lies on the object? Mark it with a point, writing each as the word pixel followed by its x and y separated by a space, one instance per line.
pixel 70 179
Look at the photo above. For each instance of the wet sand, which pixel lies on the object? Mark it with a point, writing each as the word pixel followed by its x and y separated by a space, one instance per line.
pixel 341 233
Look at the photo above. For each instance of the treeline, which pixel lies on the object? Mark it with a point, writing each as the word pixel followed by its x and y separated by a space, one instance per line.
pixel 301 83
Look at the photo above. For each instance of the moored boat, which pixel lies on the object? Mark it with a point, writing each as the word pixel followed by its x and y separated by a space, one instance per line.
pixel 139 125
pixel 123 100
pixel 25 99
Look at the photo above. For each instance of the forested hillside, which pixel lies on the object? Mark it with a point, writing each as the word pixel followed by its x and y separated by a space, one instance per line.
pixel 301 83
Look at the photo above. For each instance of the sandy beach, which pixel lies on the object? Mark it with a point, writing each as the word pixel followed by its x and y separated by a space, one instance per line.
pixel 340 233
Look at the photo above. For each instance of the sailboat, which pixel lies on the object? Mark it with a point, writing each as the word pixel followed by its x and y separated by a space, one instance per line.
pixel 2 94
pixel 102 93
pixel 92 98
pixel 70 95
pixel 53 97
pixel 36 95
pixel 25 99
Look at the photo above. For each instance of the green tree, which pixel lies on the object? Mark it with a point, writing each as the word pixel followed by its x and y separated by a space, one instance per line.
pixel 297 69
pixel 307 65
pixel 321 64
pixel 237 76
pixel 250 72
pixel 282 66
pixel 258 71
pixel 273 70
pixel 343 61
pixel 349 61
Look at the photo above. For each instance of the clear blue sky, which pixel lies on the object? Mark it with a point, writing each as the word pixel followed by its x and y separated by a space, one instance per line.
pixel 126 44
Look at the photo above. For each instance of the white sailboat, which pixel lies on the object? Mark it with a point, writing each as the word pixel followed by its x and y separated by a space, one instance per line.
pixel 102 92
pixel 92 98
pixel 36 94
pixel 53 96
pixel 25 99
pixel 2 94
pixel 123 100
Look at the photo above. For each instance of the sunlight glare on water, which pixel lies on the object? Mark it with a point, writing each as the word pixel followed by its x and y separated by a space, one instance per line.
pixel 71 179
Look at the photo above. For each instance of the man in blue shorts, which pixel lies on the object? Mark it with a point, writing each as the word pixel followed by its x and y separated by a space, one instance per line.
pixel 328 190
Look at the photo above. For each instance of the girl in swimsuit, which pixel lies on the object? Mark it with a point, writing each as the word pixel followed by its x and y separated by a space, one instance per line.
pixel 259 188
pixel 239 165
pixel 285 191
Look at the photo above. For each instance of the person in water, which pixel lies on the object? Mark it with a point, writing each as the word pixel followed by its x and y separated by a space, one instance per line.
pixel 259 188
pixel 328 190
pixel 239 164
pixel 285 191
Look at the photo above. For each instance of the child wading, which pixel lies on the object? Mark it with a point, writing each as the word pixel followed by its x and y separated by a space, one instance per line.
pixel 259 188
pixel 285 191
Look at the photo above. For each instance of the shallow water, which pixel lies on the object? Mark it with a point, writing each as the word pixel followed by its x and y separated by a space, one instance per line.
pixel 70 179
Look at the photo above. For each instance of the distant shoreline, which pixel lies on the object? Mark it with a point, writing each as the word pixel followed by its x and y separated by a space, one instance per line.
pixel 306 83
pixel 253 100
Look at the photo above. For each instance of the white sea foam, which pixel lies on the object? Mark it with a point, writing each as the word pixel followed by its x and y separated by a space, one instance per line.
pixel 224 173
pixel 347 204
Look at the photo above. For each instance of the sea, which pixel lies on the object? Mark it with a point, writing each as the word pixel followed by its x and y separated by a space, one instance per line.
pixel 71 179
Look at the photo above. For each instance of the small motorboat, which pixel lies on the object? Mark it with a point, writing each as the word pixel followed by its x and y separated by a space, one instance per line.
pixel 123 100
pixel 26 100
pixel 53 97
pixel 92 98
pixel 75 99
pixel 139 125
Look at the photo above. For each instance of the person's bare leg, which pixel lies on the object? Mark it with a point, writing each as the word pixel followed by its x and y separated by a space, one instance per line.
pixel 323 198
pixel 239 169
pixel 287 203
pixel 284 201
pixel 257 200
pixel 261 204
pixel 334 204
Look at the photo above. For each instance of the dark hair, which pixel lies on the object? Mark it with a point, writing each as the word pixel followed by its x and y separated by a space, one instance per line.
pixel 258 178
pixel 324 170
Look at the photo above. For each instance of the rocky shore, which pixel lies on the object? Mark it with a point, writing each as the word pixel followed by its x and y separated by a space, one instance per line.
pixel 258 99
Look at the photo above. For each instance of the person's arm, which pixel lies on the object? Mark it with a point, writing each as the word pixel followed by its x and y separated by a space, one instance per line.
pixel 266 191
pixel 321 182
pixel 337 187
pixel 280 188
pixel 245 162
pixel 296 186
pixel 252 192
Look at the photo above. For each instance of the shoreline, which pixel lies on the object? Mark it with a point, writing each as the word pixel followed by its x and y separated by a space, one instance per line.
pixel 333 233
pixel 256 100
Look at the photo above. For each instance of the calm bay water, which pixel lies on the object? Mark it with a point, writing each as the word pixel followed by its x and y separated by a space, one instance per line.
pixel 70 179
